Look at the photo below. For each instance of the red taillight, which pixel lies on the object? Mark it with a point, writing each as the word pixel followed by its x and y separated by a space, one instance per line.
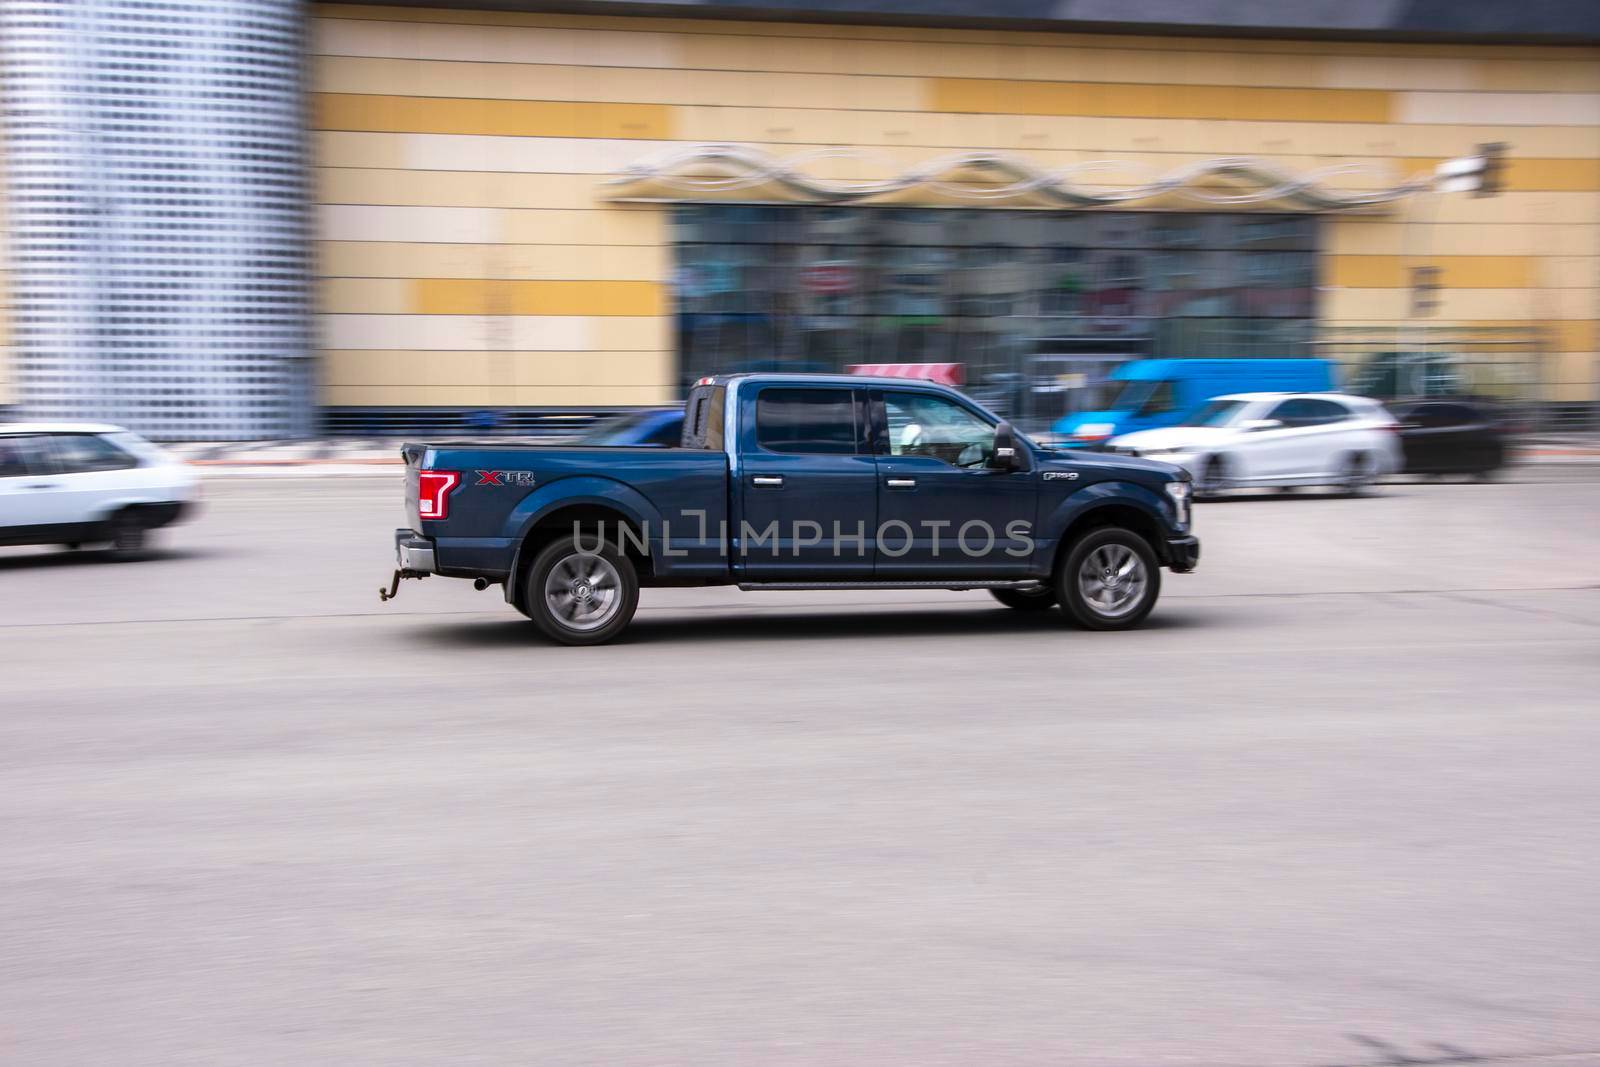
pixel 433 493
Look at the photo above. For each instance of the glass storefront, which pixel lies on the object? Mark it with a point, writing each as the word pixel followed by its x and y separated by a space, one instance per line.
pixel 1038 306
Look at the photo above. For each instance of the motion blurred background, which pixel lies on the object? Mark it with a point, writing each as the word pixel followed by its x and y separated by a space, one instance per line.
pixel 1335 805
pixel 257 219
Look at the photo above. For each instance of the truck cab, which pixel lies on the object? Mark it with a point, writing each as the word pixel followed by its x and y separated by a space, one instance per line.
pixel 787 481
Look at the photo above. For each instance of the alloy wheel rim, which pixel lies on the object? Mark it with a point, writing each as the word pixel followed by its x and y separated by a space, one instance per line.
pixel 583 591
pixel 1112 580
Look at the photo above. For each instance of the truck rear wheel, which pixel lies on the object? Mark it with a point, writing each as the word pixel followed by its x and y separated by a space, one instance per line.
pixel 1110 580
pixel 579 594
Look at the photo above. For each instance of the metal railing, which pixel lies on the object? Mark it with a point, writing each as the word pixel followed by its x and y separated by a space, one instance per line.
pixel 449 421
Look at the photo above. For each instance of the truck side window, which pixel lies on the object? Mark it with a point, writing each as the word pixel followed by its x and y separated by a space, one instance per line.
pixel 814 421
pixel 923 425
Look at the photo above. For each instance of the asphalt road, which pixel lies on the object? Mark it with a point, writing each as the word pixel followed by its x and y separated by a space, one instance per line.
pixel 1337 805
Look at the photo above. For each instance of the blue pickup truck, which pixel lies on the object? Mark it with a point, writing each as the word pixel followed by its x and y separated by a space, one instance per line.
pixel 791 481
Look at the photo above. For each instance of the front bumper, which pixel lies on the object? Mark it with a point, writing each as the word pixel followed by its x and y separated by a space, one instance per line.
pixel 413 553
pixel 1183 553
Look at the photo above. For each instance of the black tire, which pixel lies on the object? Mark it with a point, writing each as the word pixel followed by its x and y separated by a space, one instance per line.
pixel 586 574
pixel 1216 476
pixel 1356 473
pixel 1025 600
pixel 1108 614
pixel 128 535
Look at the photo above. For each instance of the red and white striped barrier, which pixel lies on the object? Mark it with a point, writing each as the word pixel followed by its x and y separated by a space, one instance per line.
pixel 943 373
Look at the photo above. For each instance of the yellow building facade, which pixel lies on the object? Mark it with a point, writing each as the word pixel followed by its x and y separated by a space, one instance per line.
pixel 472 252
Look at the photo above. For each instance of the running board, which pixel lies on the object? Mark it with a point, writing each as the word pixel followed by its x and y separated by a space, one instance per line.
pixel 1024 583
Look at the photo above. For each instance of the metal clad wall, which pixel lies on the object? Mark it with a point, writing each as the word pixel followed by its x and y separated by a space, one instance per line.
pixel 157 206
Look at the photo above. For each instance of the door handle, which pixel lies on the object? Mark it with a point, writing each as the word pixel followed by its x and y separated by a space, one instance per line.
pixel 43 485
pixel 767 481
pixel 901 483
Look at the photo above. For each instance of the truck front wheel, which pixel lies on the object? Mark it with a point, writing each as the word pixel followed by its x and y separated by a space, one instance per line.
pixel 1110 580
pixel 580 594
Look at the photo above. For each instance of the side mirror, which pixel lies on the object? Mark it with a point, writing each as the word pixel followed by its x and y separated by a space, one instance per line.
pixel 1006 455
pixel 1254 425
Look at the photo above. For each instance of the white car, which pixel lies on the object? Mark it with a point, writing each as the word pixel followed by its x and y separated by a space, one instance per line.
pixel 81 483
pixel 1256 439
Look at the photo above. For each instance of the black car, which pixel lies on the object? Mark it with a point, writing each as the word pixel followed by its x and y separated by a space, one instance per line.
pixel 1451 435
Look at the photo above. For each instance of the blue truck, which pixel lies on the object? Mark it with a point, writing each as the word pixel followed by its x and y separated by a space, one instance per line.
pixel 790 481
pixel 1159 392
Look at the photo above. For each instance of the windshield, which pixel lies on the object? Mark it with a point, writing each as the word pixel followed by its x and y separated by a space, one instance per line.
pixel 1216 413
pixel 1133 395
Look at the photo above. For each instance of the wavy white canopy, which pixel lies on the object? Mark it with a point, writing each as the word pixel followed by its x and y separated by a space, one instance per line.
pixel 721 171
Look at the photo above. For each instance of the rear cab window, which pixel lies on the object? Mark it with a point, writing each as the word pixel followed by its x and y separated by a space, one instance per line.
pixel 703 415
pixel 812 421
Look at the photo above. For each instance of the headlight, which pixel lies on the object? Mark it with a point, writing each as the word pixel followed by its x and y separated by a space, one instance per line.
pixel 1179 492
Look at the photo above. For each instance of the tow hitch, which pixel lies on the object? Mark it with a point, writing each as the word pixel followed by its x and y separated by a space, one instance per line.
pixel 394 584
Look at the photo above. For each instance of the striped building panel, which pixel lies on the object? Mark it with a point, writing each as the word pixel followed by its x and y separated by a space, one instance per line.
pixel 532 262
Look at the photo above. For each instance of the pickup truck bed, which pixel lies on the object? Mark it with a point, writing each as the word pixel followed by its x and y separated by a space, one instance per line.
pixel 506 490
pixel 798 481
